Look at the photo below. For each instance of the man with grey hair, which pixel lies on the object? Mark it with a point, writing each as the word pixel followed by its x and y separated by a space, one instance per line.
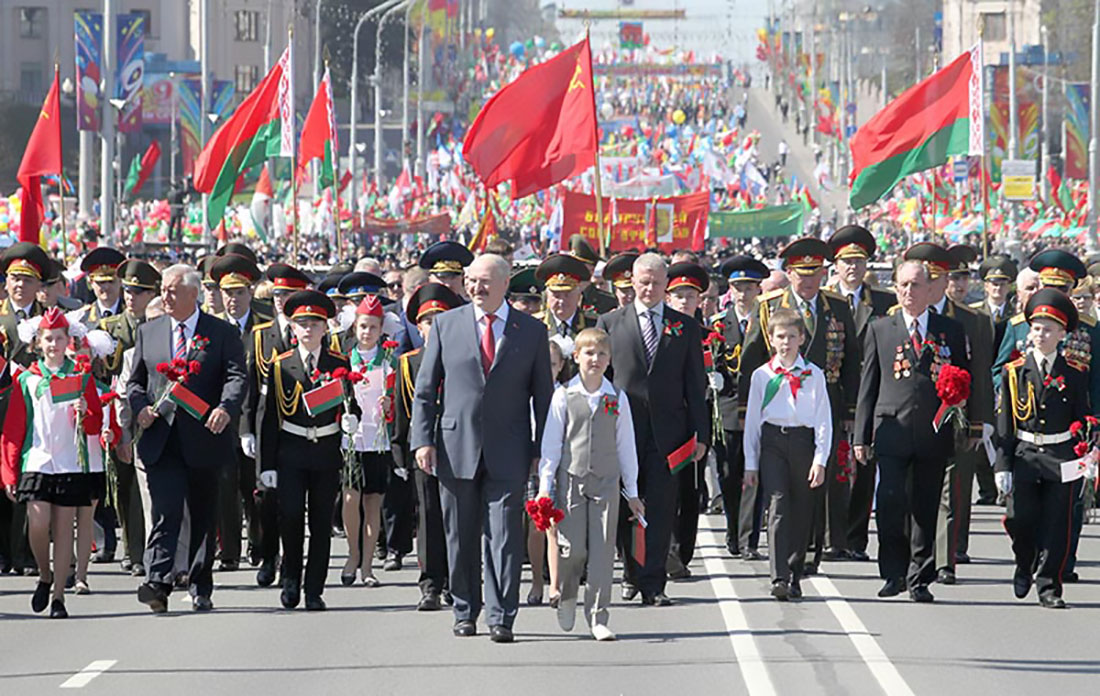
pixel 183 448
pixel 657 359
pixel 477 439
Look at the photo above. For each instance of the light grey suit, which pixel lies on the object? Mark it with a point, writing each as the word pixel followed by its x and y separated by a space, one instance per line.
pixel 481 427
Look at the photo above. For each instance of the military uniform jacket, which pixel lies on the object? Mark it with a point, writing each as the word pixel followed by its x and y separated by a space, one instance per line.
pixel 999 323
pixel 727 362
pixel 14 349
pixel 408 365
pixel 122 327
pixel 1031 403
pixel 254 319
pixel 1081 349
pixel 873 303
pixel 979 337
pixel 834 347
pixel 287 381
pixel 596 301
pixel 93 316
pixel 261 349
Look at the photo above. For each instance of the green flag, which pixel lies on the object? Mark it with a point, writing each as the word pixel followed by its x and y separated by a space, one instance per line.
pixel 773 221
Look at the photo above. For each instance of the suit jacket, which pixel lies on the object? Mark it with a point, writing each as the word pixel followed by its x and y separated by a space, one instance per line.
pixel 895 410
pixel 221 381
pixel 873 303
pixel 667 399
pixel 248 412
pixel 482 418
pixel 999 324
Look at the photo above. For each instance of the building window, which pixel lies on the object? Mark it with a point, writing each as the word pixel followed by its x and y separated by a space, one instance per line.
pixel 30 79
pixel 247 25
pixel 247 77
pixel 996 26
pixel 146 23
pixel 32 22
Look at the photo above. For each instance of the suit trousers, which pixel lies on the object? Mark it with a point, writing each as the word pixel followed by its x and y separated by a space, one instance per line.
pixel 1076 523
pixel 236 480
pixel 860 504
pixel 586 540
pixel 731 472
pixel 183 540
pixel 267 512
pixel 829 527
pixel 399 513
pixel 172 485
pixel 953 520
pixel 686 529
pixel 1041 513
pixel 317 489
pixel 908 498
pixel 484 515
pixel 786 455
pixel 431 541
pixel 130 515
pixel 659 489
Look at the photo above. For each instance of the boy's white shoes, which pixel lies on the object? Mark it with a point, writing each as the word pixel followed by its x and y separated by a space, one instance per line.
pixel 567 613
pixel 601 632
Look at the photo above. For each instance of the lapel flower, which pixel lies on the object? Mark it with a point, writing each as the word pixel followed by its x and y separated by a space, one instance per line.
pixel 610 405
pixel 199 342
pixel 673 328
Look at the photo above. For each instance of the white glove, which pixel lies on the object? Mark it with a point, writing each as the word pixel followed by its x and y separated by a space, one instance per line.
pixel 270 479
pixel 401 473
pixel 1003 479
pixel 248 444
pixel 716 380
pixel 349 423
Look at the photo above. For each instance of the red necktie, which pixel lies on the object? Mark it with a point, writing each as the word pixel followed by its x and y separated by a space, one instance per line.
pixel 915 337
pixel 488 345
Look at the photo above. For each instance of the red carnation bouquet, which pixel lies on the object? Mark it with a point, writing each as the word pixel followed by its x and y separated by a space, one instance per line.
pixel 953 388
pixel 844 459
pixel 543 513
pixel 177 371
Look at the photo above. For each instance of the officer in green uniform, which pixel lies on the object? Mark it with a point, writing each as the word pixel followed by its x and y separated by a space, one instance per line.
pixel 563 276
pixel 525 291
pixel 619 271
pixel 593 299
pixel 101 266
pixel 445 263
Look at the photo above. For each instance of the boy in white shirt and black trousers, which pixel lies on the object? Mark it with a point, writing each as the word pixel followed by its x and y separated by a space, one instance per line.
pixel 788 431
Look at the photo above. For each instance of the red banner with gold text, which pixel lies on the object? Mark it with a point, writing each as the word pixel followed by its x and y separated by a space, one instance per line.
pixel 678 222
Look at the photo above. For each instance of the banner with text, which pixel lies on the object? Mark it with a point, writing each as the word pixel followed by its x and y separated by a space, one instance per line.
pixel 773 221
pixel 677 222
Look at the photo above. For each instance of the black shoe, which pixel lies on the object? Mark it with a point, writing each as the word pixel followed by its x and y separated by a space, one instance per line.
pixel 858 556
pixel 946 576
pixel 265 576
pixel 1021 584
pixel 681 573
pixel 181 581
pixel 892 587
pixel 781 589
pixel 750 555
pixel 347 579
pixel 447 598
pixel 41 597
pixel 810 569
pixel 229 565
pixel 103 556
pixel 291 594
pixel 501 634
pixel 429 602
pixel 70 580
pixel 380 553
pixel 254 557
pixel 731 549
pixel 154 596
pixel 464 629
pixel 629 592
pixel 5 565
pixel 962 557
pixel 658 600
pixel 393 562
pixel 315 603
pixel 795 590
pixel 1070 578
pixel 1051 602
pixel 831 554
pixel 137 570
pixel 921 595
pixel 986 500
pixel 126 565
pixel 202 603
pixel 57 609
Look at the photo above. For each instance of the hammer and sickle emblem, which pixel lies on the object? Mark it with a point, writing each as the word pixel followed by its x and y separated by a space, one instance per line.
pixel 576 83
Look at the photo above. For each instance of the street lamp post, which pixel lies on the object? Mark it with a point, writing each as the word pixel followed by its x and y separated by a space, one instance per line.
pixel 377 79
pixel 1043 146
pixel 107 156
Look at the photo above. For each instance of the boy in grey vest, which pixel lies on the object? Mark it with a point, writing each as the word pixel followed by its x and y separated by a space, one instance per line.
pixel 587 447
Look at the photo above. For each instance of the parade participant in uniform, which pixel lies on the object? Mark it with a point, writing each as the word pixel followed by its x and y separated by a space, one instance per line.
pixel 236 276
pixel 431 543
pixel 1042 396
pixel 902 356
pixel 525 291
pixel 832 345
pixel 618 271
pixel 52 293
pixel 182 454
pixel 853 247
pixel 140 283
pixel 740 500
pixel 1084 297
pixel 445 262
pixel 45 459
pixel 958 278
pixel 211 293
pixel 300 452
pixel 101 266
pixel 563 276
pixel 658 361
pixel 269 339
pixel 593 300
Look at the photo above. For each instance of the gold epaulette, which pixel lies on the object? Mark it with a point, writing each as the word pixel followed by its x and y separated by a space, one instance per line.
pixel 977 305
pixel 284 356
pixel 337 354
pixel 893 310
pixel 1086 320
pixel 1017 319
pixel 261 327
pixel 772 294
pixel 1018 362
pixel 829 292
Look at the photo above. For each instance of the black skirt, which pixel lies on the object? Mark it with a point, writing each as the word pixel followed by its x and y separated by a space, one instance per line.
pixel 369 472
pixel 66 490
pixel 99 484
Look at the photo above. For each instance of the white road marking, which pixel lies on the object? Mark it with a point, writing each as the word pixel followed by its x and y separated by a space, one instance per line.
pixel 868 648
pixel 757 679
pixel 86 675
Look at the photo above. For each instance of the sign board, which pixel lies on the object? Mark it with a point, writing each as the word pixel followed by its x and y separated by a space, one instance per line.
pixel 962 169
pixel 1018 180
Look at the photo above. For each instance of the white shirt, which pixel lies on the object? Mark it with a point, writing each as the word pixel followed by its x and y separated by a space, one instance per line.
pixel 189 325
pixel 553 434
pixel 809 410
pixel 303 354
pixel 1047 357
pixel 113 310
pixel 811 303
pixel 941 305
pixel 853 294
pixel 922 322
pixel 558 323
pixel 242 322
pixel 498 324
pixel 658 318
pixel 997 310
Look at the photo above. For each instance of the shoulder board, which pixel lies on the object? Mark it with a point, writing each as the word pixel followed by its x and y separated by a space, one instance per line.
pixel 262 326
pixel 894 310
pixel 337 354
pixel 772 294
pixel 540 315
pixel 977 305
pixel 1079 366
pixel 1086 320
pixel 414 351
pixel 1018 362
pixel 284 356
pixel 1017 319
pixel 832 293
pixel 966 309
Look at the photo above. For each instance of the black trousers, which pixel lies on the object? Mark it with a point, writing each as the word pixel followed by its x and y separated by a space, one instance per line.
pixel 831 501
pixel 1042 513
pixel 173 484
pixel 860 504
pixel 130 515
pixel 431 540
pixel 14 545
pixel 659 489
pixel 267 506
pixel 731 474
pixel 298 488
pixel 907 504
pixel 399 514
pixel 1078 520
pixel 686 529
pixel 786 455
pixel 235 486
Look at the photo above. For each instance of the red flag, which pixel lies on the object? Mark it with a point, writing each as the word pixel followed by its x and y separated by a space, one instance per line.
pixel 263 186
pixel 319 128
pixel 539 129
pixel 148 160
pixel 42 156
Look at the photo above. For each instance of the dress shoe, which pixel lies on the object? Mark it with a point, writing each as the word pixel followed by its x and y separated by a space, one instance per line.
pixel 986 500
pixel 347 579
pixel 1070 578
pixel 464 629
pixel 229 565
pixel 126 565
pixel 831 554
pixel 809 569
pixel 681 573
pixel 962 557
pixel 629 592
pixel 429 602
pixel 501 634
pixel 731 549
pixel 202 603
pixel 534 600
pixel 781 589
pixel 154 596
pixel 393 562
pixel 658 600
pixel 41 597
pixel 795 590
pixel 103 556
pixel 254 557
pixel 567 614
pixel 5 565
pixel 57 609
pixel 892 587
pixel 447 598
pixel 946 576
pixel 921 595
pixel 380 553
pixel 315 603
pixel 858 556
pixel 603 633
pixel 1051 602
pixel 291 594
pixel 81 587
pixel 750 555
pixel 137 570
pixel 1021 584
pixel 265 576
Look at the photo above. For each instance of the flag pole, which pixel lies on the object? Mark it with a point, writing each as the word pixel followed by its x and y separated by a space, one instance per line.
pixel 984 172
pixel 596 127
pixel 293 155
pixel 61 179
pixel 335 180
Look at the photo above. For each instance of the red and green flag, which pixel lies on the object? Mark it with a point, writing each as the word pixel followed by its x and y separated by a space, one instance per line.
pixel 319 135
pixel 938 117
pixel 140 169
pixel 681 456
pixel 324 398
pixel 188 400
pixel 64 389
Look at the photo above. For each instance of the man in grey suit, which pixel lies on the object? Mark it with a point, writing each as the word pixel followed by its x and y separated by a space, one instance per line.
pixel 475 436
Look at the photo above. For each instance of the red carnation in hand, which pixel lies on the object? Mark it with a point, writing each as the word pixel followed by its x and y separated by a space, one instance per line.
pixel 355 377
pixel 1092 421
pixel 340 373
pixel 1081 448
pixel 1075 428
pixel 953 385
pixel 316 375
pixel 390 345
pixel 163 368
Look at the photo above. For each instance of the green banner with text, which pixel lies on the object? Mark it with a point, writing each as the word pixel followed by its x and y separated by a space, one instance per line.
pixel 773 221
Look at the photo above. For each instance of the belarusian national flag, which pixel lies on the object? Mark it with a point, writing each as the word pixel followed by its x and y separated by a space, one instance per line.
pixel 140 169
pixel 324 398
pixel 319 134
pixel 261 203
pixel 188 400
pixel 936 118
pixel 64 389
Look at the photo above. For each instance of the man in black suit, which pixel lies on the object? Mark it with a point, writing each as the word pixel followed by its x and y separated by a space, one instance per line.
pixel 902 356
pixel 183 454
pixel 658 360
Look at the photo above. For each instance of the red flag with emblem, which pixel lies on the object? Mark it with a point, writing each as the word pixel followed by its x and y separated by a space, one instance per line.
pixel 42 156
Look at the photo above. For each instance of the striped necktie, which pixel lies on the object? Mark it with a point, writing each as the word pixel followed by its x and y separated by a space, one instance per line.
pixel 649 335
pixel 181 342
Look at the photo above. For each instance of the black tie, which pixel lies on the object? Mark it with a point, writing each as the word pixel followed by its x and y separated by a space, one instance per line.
pixel 106 313
pixel 563 329
pixel 744 325
pixel 933 310
pixel 288 336
pixel 20 314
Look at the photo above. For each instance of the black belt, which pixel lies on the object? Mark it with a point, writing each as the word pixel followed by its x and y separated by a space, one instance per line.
pixel 790 429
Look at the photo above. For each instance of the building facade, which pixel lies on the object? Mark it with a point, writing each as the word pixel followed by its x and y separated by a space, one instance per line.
pixel 963 19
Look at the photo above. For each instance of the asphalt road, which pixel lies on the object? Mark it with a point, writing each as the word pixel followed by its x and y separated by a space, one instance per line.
pixel 725 635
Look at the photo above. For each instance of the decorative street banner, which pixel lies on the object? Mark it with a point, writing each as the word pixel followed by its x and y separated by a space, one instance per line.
pixel 156 104
pixel 189 97
pixel 431 224
pixel 631 36
pixel 678 222
pixel 1076 150
pixel 682 70
pixel 1027 117
pixel 773 221
pixel 131 70
pixel 88 33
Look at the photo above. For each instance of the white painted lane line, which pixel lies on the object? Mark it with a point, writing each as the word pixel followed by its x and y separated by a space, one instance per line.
pixel 757 680
pixel 868 648
pixel 86 675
